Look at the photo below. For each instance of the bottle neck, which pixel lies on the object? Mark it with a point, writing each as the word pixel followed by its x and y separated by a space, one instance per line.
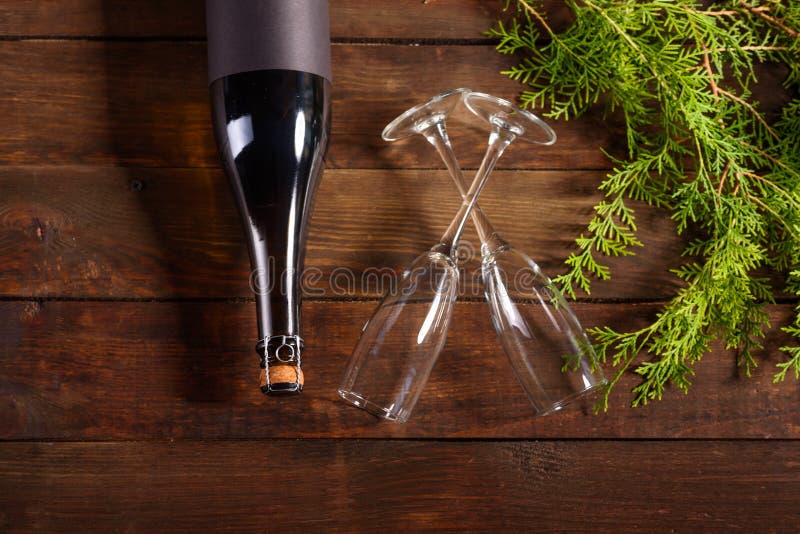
pixel 276 285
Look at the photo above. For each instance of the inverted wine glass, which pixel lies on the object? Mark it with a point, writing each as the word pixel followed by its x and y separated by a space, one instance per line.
pixel 536 327
pixel 545 343
pixel 401 342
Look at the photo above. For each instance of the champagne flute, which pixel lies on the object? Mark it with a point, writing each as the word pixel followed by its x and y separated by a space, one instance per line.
pixel 401 342
pixel 545 343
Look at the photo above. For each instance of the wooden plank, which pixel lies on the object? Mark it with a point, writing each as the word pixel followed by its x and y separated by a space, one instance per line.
pixel 350 19
pixel 359 486
pixel 146 370
pixel 69 102
pixel 146 103
pixel 138 232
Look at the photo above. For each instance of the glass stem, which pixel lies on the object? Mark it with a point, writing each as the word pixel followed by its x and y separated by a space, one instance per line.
pixel 498 141
pixel 436 134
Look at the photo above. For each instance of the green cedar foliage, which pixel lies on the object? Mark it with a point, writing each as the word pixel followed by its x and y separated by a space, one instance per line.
pixel 681 74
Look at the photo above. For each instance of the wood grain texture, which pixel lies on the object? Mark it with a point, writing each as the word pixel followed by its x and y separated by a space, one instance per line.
pixel 85 231
pixel 366 486
pixel 144 370
pixel 350 19
pixel 146 104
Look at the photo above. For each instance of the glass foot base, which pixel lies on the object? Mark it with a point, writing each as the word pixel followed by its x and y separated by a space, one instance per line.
pixel 357 400
pixel 558 406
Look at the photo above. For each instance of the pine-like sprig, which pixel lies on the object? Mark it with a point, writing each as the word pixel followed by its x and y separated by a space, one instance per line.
pixel 680 73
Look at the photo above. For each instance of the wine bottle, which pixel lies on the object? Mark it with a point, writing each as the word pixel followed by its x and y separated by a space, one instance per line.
pixel 269 78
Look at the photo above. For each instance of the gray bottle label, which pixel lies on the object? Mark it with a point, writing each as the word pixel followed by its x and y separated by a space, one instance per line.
pixel 249 35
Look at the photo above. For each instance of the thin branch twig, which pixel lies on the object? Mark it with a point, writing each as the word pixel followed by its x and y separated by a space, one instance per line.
pixel 707 64
pixel 731 12
pixel 771 184
pixel 751 109
pixel 748 48
pixel 538 17
pixel 773 159
pixel 772 20
pixel 722 178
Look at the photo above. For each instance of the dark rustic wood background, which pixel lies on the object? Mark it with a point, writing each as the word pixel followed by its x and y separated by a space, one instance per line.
pixel 128 380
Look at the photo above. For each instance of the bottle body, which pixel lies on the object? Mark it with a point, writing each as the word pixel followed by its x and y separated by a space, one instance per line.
pixel 272 129
pixel 269 73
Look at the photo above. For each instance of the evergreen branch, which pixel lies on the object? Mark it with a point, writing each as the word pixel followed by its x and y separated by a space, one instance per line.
pixel 793 363
pixel 622 33
pixel 680 73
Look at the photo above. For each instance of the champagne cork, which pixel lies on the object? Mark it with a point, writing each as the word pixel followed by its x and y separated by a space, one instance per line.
pixel 281 355
pixel 282 374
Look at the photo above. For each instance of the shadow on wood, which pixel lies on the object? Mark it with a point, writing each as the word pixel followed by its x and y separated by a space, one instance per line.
pixel 200 379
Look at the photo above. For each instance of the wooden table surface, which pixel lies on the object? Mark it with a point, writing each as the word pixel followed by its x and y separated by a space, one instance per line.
pixel 128 379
